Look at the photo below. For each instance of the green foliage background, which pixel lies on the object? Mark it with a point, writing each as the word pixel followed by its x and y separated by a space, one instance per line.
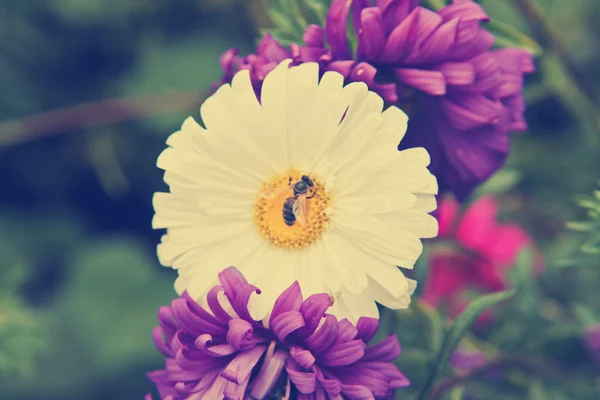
pixel 79 281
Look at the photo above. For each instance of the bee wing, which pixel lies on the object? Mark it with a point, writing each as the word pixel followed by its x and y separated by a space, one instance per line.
pixel 271 193
pixel 299 209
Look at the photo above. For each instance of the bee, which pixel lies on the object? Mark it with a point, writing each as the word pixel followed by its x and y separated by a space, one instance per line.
pixel 294 207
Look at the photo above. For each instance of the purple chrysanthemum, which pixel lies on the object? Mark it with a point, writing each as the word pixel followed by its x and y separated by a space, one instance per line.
pixel 463 98
pixel 219 351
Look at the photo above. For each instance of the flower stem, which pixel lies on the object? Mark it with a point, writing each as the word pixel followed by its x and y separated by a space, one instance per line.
pixel 550 37
pixel 94 114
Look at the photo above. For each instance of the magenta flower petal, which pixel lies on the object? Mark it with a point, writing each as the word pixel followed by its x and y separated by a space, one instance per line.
pixel 240 367
pixel 366 328
pixel 240 334
pixel 205 359
pixel 314 36
pixel 343 353
pixel 290 300
pixel 305 382
pixel 386 350
pixel 457 73
pixel 371 37
pixel 431 82
pixel 335 29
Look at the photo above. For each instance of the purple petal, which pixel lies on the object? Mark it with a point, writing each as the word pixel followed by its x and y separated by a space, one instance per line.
pixel 212 299
pixel 364 72
pixel 193 361
pixel 240 334
pixel 357 7
pixel 331 386
pixel 158 339
pixel 470 110
pixel 240 304
pixel 219 350
pixel 471 40
pixel 356 392
pixel 343 67
pixel 234 391
pixel 394 12
pixel 324 336
pixel 227 59
pixel 387 91
pixel 194 319
pixel 439 44
pixel 286 323
pixel 431 82
pixel 335 28
pixel 386 350
pixel 428 22
pixel 343 353
pixel 465 10
pixel 232 281
pixel 302 356
pixel 268 375
pixel 313 309
pixel 487 74
pixel 457 73
pixel 310 54
pixel 241 366
pixel 371 38
pixel 474 155
pixel 398 42
pixel 366 328
pixel 271 50
pixel 305 382
pixel 289 300
pixel 346 331
pixel 314 36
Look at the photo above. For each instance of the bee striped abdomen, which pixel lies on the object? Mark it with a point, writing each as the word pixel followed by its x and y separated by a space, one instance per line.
pixel 288 213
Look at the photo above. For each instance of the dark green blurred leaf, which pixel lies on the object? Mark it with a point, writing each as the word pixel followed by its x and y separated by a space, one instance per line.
pixel 22 338
pixel 501 182
pixel 290 18
pixel 507 36
pixel 112 300
pixel 523 280
pixel 454 335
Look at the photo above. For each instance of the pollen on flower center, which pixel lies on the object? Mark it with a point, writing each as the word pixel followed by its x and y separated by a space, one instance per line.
pixel 269 214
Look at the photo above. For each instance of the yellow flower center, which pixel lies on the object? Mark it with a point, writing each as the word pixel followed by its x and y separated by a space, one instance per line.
pixel 274 211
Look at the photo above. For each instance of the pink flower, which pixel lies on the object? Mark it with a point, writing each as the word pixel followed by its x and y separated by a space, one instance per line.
pixel 479 255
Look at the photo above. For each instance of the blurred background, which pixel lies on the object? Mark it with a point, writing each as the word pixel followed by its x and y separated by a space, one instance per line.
pixel 91 89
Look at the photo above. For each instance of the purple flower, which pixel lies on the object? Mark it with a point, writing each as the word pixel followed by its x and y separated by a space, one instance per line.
pixel 219 351
pixel 463 98
pixel 592 340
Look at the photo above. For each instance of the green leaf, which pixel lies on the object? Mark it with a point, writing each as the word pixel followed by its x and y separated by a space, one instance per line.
pixel 458 329
pixel 103 317
pixel 586 315
pixel 22 337
pixel 290 18
pixel 507 36
pixel 501 182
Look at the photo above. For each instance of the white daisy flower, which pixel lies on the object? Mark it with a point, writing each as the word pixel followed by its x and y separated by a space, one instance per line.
pixel 238 196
